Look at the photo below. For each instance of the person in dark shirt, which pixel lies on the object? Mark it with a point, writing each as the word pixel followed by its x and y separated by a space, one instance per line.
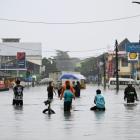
pixel 18 94
pixel 59 89
pixel 77 89
pixel 130 94
pixel 50 90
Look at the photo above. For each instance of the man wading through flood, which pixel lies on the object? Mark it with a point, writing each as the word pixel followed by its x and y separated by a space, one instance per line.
pixel 130 94
pixel 68 93
pixel 18 94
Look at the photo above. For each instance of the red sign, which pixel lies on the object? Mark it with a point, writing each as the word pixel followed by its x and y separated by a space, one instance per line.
pixel 20 55
pixel 21 60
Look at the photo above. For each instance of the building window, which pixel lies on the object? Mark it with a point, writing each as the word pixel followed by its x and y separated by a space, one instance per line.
pixel 124 62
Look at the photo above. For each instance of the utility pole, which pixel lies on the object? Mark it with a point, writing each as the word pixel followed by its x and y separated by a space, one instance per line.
pixel 98 72
pixel 104 67
pixel 117 75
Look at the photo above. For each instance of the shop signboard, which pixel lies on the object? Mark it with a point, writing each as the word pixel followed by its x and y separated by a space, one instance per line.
pixel 133 56
pixel 21 62
pixel 132 47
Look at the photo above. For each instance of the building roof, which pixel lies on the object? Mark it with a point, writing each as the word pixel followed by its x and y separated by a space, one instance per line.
pixel 10 39
pixel 121 46
pixel 11 49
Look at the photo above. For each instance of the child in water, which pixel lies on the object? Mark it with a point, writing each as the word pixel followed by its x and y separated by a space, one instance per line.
pixel 99 101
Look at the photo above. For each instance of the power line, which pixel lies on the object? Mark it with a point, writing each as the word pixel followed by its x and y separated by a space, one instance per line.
pixel 75 22
pixel 88 50
pixel 19 48
pixel 52 51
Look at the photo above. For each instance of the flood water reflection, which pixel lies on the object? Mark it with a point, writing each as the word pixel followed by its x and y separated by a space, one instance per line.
pixel 29 123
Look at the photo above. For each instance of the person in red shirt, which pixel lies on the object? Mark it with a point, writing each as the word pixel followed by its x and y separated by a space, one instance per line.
pixel 64 88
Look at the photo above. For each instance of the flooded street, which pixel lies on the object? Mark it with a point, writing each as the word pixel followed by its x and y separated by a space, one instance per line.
pixel 118 122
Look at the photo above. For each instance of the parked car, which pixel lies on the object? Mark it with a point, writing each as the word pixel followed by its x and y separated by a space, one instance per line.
pixel 123 82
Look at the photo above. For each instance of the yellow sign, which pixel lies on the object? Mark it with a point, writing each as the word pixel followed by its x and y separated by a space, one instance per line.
pixel 132 56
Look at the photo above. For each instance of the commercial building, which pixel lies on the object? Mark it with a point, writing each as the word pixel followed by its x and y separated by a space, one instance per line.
pixel 12 50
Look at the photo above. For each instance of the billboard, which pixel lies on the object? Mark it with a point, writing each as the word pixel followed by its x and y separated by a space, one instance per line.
pixel 17 62
pixel 21 62
pixel 133 50
pixel 132 47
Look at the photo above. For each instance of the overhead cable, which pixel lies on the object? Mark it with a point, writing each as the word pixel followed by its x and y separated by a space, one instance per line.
pixel 50 51
pixel 75 22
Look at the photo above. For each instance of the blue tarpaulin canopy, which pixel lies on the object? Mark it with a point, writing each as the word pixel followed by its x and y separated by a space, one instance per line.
pixel 72 76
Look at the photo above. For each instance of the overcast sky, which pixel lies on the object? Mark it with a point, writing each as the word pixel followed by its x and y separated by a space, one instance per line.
pixel 97 37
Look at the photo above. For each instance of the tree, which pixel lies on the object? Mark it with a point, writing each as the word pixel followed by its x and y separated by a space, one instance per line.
pixel 63 61
pixel 89 68
pixel 50 66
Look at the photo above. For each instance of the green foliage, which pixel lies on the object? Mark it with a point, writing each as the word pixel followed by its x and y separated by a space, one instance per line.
pixel 63 61
pixel 89 66
pixel 50 66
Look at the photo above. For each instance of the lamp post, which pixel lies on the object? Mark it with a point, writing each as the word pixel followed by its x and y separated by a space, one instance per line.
pixel 116 58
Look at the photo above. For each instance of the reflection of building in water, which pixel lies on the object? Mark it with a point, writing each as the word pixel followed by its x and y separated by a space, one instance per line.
pixel 8 55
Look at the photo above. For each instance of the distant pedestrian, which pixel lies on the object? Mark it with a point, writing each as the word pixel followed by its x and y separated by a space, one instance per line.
pixel 77 89
pixel 130 94
pixel 33 82
pixel 50 90
pixel 68 96
pixel 18 94
pixel 59 89
pixel 73 84
pixel 99 101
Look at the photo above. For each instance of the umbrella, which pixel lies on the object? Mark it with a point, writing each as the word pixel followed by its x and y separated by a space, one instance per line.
pixel 68 76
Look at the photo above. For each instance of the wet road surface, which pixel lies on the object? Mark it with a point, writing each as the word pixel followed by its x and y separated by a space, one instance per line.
pixel 118 122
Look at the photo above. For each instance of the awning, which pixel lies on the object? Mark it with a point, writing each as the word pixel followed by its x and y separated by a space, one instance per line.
pixel 72 76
